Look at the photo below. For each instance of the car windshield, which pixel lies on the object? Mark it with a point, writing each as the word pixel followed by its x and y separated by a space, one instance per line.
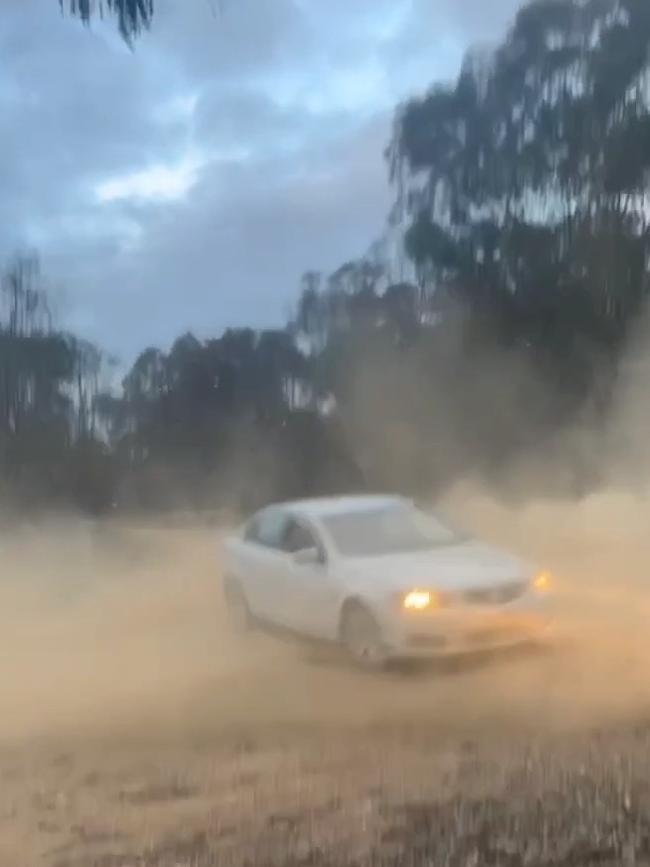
pixel 392 530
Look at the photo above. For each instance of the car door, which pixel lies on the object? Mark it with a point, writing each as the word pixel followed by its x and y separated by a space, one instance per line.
pixel 312 597
pixel 264 563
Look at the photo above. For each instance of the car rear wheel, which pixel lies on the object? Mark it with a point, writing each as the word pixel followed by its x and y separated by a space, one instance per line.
pixel 361 637
pixel 239 614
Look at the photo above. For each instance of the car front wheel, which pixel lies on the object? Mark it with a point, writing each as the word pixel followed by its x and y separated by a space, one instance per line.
pixel 361 637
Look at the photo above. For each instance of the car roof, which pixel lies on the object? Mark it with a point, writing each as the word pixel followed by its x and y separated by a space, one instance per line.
pixel 324 507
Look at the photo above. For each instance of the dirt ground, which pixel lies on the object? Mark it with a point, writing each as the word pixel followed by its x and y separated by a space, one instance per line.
pixel 134 730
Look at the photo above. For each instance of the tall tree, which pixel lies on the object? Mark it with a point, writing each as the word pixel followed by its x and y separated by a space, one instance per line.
pixel 48 385
pixel 526 184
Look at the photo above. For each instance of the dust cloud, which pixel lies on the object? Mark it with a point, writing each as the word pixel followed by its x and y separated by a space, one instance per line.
pixel 131 716
pixel 117 629
pixel 120 632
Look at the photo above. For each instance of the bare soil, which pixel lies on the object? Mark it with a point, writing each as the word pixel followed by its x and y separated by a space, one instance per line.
pixel 135 730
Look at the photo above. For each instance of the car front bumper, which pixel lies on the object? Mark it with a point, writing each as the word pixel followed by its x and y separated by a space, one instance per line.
pixel 464 630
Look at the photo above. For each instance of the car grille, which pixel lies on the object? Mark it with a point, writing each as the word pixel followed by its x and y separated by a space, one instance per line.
pixel 495 595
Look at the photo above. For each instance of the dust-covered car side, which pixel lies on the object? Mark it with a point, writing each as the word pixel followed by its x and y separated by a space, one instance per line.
pixel 381 577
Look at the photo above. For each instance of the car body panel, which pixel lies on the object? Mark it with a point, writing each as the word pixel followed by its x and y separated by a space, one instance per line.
pixel 489 599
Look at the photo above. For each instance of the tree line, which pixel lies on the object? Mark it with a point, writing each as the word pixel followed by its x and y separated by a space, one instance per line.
pixel 521 200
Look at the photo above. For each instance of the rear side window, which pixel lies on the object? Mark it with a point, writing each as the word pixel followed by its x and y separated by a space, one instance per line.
pixel 267 529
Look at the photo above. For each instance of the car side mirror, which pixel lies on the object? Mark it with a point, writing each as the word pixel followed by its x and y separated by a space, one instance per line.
pixel 308 557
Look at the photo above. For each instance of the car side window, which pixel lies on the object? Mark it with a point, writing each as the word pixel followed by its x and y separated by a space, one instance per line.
pixel 298 538
pixel 267 529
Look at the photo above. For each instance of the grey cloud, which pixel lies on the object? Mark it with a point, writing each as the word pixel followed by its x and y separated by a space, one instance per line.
pixel 477 20
pixel 73 111
pixel 286 102
pixel 435 35
pixel 246 117
pixel 232 254
pixel 228 39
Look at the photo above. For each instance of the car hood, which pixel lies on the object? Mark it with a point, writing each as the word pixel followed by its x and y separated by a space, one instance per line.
pixel 469 565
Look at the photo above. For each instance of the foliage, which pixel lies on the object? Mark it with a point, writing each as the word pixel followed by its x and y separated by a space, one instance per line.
pixel 522 193
pixel 133 16
pixel 48 382
pixel 525 184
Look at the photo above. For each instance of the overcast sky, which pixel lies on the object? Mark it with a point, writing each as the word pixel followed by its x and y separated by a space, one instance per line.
pixel 188 184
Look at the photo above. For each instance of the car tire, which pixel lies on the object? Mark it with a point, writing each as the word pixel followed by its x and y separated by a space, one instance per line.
pixel 361 637
pixel 239 614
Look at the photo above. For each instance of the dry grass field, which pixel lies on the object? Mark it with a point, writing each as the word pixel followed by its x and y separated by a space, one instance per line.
pixel 135 730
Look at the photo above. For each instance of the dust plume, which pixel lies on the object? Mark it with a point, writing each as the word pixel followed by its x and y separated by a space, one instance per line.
pixel 102 643
pixel 116 628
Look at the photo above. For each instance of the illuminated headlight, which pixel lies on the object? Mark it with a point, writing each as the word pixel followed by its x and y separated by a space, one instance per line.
pixel 542 582
pixel 419 600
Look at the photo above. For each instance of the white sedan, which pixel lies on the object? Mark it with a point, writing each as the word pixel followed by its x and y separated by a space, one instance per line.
pixel 382 578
